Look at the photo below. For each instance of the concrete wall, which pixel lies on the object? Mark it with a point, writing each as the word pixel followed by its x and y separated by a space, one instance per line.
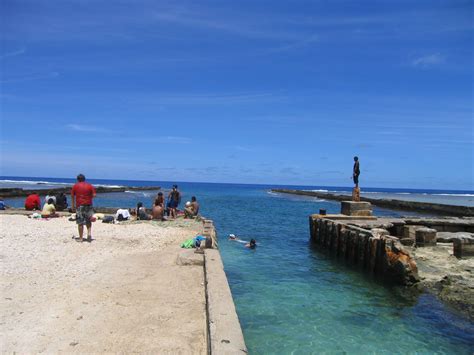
pixel 370 250
pixel 225 333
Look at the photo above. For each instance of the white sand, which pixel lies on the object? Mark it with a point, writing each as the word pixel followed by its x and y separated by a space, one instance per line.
pixel 123 292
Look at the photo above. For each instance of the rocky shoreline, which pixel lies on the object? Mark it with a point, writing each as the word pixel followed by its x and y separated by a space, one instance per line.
pixel 18 192
pixel 422 207
pixel 433 255
pixel 448 278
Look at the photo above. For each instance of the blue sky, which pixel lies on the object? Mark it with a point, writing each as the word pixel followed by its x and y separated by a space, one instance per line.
pixel 243 91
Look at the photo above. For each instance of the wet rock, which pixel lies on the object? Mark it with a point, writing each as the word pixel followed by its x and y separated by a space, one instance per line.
pixel 399 264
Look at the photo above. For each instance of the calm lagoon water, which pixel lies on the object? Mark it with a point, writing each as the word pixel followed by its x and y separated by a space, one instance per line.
pixel 292 299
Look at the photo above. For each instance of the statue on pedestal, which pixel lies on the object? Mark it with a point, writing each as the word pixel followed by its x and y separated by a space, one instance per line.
pixel 355 177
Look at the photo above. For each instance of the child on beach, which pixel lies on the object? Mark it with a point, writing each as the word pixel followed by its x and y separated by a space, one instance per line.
pixel 50 196
pixel 49 210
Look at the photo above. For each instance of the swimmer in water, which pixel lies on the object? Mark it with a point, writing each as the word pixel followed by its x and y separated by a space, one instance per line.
pixel 233 237
pixel 252 244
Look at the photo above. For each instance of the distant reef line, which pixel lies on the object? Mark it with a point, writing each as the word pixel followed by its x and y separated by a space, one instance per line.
pixel 424 207
pixel 18 192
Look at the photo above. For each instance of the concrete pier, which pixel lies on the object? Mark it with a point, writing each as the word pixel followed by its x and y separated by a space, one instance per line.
pixel 372 250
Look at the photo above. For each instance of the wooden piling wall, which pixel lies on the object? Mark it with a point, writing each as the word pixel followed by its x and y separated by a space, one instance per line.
pixel 376 254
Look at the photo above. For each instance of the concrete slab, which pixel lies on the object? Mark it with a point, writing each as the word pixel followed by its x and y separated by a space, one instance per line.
pixel 225 333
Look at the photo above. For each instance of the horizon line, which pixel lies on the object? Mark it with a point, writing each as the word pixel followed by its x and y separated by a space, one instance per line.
pixel 239 183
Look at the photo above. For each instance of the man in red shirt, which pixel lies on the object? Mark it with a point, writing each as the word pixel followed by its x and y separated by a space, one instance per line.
pixel 33 202
pixel 82 194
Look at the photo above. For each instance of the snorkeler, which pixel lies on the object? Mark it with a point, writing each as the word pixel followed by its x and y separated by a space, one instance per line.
pixel 252 244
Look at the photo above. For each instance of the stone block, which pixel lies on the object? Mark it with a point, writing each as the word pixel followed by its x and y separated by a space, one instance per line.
pixel 463 248
pixel 356 194
pixel 449 237
pixel 351 208
pixel 409 231
pixel 425 237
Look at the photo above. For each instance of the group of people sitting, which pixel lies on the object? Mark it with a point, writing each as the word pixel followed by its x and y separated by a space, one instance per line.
pixel 52 203
pixel 162 210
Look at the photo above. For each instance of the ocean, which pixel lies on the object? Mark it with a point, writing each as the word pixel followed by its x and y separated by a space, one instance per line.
pixel 291 298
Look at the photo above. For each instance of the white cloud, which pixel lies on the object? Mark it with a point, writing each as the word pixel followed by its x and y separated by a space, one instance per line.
pixel 428 60
pixel 82 128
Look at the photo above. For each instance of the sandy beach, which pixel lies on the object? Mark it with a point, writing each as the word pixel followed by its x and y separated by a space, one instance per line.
pixel 123 292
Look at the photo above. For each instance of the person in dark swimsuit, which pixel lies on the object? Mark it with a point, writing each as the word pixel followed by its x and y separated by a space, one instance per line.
pixel 356 172
pixel 174 198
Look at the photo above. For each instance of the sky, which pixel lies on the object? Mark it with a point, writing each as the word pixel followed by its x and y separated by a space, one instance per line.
pixel 276 92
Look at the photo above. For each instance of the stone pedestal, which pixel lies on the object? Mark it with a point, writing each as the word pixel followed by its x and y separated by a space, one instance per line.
pixel 352 208
pixel 409 232
pixel 425 237
pixel 463 248
pixel 356 194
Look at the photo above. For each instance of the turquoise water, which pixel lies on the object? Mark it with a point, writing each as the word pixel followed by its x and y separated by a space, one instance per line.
pixel 291 298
